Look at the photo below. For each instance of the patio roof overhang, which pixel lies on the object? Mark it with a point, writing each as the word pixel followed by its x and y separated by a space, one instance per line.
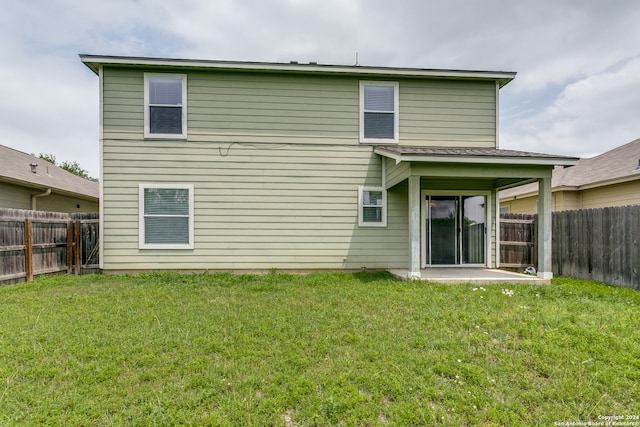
pixel 490 167
pixel 465 169
pixel 472 155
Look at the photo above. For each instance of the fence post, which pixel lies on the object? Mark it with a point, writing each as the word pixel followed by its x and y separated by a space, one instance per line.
pixel 69 246
pixel 76 242
pixel 534 240
pixel 28 250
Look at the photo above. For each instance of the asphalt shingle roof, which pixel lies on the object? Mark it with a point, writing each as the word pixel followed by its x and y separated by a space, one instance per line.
pixel 619 163
pixel 446 151
pixel 15 166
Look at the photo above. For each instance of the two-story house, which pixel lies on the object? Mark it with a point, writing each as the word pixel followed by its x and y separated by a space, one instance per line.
pixel 213 165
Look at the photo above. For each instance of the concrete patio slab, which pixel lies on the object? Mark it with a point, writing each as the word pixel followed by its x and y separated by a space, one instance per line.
pixel 475 276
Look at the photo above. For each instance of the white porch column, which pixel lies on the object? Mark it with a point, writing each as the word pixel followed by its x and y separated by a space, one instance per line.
pixel 493 228
pixel 544 228
pixel 414 227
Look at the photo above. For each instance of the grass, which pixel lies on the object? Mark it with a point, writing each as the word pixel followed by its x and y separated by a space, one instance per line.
pixel 321 349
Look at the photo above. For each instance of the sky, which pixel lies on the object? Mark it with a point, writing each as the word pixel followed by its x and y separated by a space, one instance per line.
pixel 577 91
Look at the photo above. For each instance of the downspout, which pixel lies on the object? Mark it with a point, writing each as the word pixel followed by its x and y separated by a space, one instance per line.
pixel 35 196
pixel 497 115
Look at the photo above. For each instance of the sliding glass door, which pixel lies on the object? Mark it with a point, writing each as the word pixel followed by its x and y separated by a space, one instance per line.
pixel 443 213
pixel 454 230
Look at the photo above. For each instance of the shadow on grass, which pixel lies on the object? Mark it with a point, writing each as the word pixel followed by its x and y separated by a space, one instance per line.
pixel 378 276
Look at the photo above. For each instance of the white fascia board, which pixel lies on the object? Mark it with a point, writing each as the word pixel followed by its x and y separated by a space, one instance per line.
pixel 534 193
pixel 93 62
pixel 544 161
pixel 541 161
pixel 613 181
pixel 513 185
pixel 589 186
pixel 395 156
pixel 55 189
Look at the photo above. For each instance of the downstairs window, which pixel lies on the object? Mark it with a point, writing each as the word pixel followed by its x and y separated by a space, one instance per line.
pixel 372 207
pixel 166 216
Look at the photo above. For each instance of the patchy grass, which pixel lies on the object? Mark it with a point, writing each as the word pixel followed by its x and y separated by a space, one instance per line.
pixel 321 349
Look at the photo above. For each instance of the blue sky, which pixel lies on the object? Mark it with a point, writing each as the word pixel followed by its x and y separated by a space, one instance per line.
pixel 577 91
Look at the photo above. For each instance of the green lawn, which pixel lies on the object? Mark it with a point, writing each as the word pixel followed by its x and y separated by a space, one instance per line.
pixel 320 349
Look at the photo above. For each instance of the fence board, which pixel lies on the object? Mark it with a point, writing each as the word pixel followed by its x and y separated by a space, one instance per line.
pixel 517 241
pixel 597 244
pixel 28 250
pixel 76 249
pixel 603 245
pixel 34 243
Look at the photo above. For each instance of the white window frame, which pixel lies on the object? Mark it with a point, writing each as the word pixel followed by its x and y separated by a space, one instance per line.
pixel 361 206
pixel 141 221
pixel 396 110
pixel 147 118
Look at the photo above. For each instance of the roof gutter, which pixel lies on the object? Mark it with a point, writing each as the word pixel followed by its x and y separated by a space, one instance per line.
pixel 35 196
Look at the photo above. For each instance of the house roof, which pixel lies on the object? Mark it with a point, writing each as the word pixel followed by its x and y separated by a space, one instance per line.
pixel 15 168
pixel 471 155
pixel 94 62
pixel 618 165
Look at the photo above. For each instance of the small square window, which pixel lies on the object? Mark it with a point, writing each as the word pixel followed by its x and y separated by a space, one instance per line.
pixel 372 206
pixel 379 112
pixel 165 103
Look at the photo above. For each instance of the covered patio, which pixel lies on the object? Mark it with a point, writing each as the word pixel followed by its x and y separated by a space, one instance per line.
pixel 454 210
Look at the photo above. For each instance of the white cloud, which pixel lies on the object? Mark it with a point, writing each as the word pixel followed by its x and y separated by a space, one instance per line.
pixel 575 87
pixel 588 117
pixel 51 106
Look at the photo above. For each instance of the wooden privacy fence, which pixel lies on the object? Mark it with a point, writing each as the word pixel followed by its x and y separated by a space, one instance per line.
pixel 518 241
pixel 34 243
pixel 594 244
pixel 598 244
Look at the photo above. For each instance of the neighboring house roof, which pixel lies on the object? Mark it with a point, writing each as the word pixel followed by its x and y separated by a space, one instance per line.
pixel 618 165
pixel 471 155
pixel 94 62
pixel 15 168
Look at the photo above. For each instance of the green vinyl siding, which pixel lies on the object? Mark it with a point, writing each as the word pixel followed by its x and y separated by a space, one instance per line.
pixel 257 206
pixel 60 203
pixel 276 162
pixel 396 172
pixel 19 197
pixel 447 113
pixel 15 196
pixel 123 104
pixel 243 105
pixel 249 105
pixel 307 109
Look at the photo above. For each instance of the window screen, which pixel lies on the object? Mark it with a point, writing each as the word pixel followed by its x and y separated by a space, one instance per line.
pixel 372 210
pixel 166 216
pixel 379 111
pixel 165 100
pixel 372 206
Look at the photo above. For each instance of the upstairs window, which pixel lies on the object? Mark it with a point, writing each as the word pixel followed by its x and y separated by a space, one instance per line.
pixel 379 112
pixel 372 207
pixel 166 216
pixel 165 104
